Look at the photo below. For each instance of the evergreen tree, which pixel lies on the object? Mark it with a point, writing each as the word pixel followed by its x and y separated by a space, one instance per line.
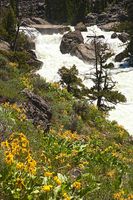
pixel 103 89
pixel 13 5
pixel 71 81
pixel 10 23
pixel 56 10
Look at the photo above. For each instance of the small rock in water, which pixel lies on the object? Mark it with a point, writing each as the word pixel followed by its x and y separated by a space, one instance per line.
pixel 114 35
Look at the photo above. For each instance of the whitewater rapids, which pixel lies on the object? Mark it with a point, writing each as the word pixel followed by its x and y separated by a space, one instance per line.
pixel 47 50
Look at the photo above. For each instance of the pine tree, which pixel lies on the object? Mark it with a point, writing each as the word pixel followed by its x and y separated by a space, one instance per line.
pixel 71 81
pixel 13 5
pixel 103 89
pixel 10 23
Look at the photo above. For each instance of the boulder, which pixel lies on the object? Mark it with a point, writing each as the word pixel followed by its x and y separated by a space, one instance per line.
pixel 91 18
pixel 102 17
pixel 81 27
pixel 123 17
pixel 119 57
pixel 38 110
pixel 113 18
pixel 4 46
pixel 33 61
pixel 70 40
pixel 30 43
pixel 27 22
pixel 84 52
pixel 123 37
pixel 109 26
pixel 114 35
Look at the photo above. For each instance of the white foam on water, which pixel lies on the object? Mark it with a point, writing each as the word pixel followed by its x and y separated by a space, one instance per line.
pixel 48 51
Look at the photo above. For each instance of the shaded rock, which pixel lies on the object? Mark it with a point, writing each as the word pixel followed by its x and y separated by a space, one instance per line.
pixel 123 37
pixel 3 99
pixel 27 22
pixel 84 52
pixel 102 17
pixel 30 43
pixel 109 26
pixel 111 65
pixel 113 18
pixel 114 35
pixel 33 61
pixel 38 20
pixel 36 63
pixel 123 17
pixel 38 110
pixel 119 57
pixel 81 27
pixel 74 173
pixel 4 46
pixel 70 40
pixel 90 19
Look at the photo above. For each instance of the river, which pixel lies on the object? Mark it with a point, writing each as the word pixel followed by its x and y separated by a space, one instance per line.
pixel 47 50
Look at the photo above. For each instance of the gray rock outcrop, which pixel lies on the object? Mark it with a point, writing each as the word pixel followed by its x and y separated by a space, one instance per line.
pixel 38 110
pixel 73 43
pixel 70 40
pixel 4 46
pixel 123 37
pixel 114 35
pixel 84 52
pixel 81 27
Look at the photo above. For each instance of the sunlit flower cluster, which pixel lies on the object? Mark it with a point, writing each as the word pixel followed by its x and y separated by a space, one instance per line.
pixel 26 82
pixel 77 185
pixel 55 85
pixel 17 151
pixel 13 64
pixel 68 135
pixel 18 109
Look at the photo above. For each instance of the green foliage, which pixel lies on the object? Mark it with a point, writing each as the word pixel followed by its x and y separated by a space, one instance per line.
pixel 13 5
pixel 73 11
pixel 3 61
pixel 9 23
pixel 76 11
pixel 92 166
pixel 71 81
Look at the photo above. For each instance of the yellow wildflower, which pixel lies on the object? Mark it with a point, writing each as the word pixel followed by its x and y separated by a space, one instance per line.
pixel 22 117
pixel 13 64
pixel 130 197
pixel 57 180
pixel 66 197
pixel 111 173
pixel 47 188
pixel 48 174
pixel 20 183
pixel 118 195
pixel 114 154
pixel 9 158
pixel 5 144
pixel 81 166
pixel 20 166
pixel 76 185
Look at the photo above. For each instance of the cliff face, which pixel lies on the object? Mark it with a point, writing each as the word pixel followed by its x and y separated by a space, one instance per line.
pixel 28 8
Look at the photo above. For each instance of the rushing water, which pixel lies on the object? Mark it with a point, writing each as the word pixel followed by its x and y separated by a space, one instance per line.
pixel 47 50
